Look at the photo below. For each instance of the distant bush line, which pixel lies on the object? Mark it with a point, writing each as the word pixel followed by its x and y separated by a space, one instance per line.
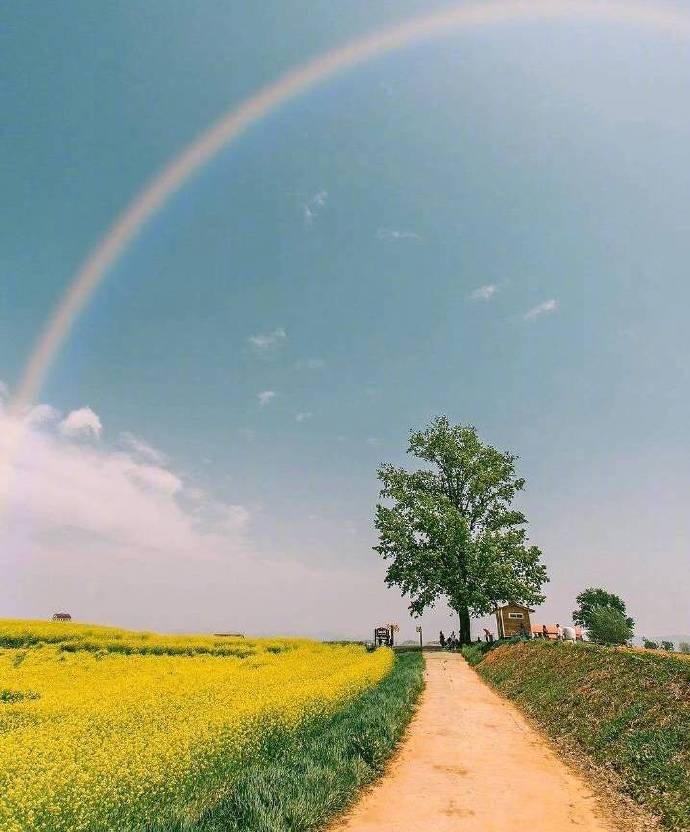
pixel 300 780
pixel 70 638
pixel 629 710
pixel 240 651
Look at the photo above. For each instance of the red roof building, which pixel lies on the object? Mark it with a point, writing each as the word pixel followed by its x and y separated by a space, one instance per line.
pixel 552 632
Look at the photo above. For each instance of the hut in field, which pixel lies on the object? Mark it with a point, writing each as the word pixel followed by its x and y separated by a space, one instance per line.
pixel 513 620
pixel 62 616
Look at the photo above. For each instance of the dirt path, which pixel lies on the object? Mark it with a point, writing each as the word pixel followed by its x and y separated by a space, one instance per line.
pixel 472 764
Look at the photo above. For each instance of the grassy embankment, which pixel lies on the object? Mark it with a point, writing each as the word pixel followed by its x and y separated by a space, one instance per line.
pixel 628 710
pixel 300 780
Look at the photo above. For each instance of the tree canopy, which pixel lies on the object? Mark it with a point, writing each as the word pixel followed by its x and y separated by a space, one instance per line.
pixel 593 597
pixel 608 625
pixel 449 529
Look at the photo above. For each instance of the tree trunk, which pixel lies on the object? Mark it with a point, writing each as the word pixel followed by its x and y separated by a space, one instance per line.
pixel 465 635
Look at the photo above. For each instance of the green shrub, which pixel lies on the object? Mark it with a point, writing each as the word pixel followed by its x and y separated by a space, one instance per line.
pixel 628 709
pixel 668 645
pixel 649 645
pixel 473 653
pixel 13 696
pixel 684 646
pixel 609 626
pixel 19 658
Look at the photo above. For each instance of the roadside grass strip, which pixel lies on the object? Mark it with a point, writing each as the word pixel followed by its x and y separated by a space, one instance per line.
pixel 629 710
pixel 301 779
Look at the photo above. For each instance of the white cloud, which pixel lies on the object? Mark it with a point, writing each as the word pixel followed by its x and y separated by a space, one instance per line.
pixel 266 397
pixel 309 364
pixel 100 499
pixel 152 477
pixel 313 206
pixel 484 292
pixel 224 519
pixel 392 234
pixel 93 530
pixel 142 449
pixel 42 414
pixel 263 342
pixel 81 423
pixel 303 416
pixel 544 308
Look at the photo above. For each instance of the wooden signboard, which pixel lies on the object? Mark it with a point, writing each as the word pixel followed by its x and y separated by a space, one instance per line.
pixel 382 636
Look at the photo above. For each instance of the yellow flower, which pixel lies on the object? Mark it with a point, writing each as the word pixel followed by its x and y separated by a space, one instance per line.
pixel 101 727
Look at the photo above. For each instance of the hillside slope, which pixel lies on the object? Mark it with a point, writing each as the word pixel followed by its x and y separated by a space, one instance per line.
pixel 629 710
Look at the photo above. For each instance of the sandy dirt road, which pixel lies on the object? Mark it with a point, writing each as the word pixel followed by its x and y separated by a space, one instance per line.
pixel 471 763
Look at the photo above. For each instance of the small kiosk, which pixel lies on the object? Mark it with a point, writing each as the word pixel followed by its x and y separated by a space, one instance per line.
pixel 513 620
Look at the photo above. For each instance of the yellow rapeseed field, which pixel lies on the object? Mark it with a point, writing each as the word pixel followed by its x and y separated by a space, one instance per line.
pixel 97 733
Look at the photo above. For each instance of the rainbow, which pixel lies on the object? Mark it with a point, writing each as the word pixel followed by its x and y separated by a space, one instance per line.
pixel 233 124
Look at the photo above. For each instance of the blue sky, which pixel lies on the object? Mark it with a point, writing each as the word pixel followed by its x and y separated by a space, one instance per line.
pixel 332 258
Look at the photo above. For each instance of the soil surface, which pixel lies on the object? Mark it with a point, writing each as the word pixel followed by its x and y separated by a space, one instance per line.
pixel 471 762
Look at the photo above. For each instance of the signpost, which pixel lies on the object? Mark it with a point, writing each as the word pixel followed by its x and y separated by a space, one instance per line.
pixel 385 635
pixel 382 637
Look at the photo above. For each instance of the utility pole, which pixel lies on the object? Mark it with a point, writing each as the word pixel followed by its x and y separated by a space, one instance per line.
pixel 419 630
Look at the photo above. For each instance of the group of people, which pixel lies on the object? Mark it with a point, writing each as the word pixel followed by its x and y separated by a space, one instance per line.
pixel 450 643
pixel 545 632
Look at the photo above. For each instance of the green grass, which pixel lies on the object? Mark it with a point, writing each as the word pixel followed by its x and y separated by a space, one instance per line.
pixel 630 711
pixel 300 780
pixel 475 652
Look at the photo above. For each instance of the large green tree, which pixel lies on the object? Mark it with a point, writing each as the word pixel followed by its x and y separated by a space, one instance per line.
pixel 449 529
pixel 594 597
